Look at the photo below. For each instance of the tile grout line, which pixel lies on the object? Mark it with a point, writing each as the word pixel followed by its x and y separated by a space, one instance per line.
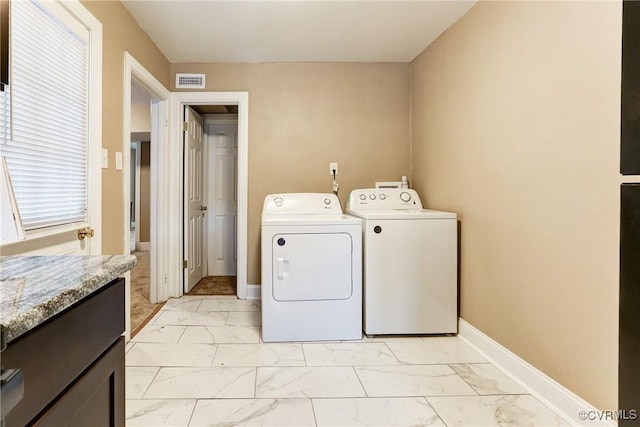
pixel 150 382
pixel 366 394
pixel 193 411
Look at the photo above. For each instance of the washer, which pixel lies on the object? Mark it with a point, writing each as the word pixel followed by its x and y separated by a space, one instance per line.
pixel 311 269
pixel 410 263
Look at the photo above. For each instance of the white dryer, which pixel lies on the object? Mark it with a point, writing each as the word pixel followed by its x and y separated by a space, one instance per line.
pixel 311 269
pixel 410 263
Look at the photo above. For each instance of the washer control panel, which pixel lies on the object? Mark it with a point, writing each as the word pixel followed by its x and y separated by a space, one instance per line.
pixel 302 204
pixel 384 199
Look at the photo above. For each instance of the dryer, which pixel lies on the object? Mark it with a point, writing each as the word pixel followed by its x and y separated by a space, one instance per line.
pixel 311 269
pixel 410 263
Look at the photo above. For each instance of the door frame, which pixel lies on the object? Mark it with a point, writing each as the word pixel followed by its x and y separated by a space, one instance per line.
pixel 175 181
pixel 160 95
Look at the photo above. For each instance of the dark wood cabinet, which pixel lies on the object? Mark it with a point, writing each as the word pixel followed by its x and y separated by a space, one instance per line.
pixel 629 321
pixel 73 365
pixel 90 400
pixel 630 90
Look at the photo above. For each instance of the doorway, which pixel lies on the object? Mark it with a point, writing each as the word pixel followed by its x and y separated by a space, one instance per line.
pixel 158 103
pixel 220 200
pixel 141 306
pixel 177 175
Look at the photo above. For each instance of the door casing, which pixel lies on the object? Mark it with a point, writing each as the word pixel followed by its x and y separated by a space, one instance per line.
pixel 158 204
pixel 174 182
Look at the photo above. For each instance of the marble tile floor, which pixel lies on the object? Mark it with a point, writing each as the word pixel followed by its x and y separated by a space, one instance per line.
pixel 200 362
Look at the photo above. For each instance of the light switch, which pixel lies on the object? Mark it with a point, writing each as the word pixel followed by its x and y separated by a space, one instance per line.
pixel 118 160
pixel 105 158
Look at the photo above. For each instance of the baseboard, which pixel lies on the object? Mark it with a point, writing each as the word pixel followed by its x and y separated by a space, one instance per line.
pixel 143 246
pixel 548 391
pixel 253 291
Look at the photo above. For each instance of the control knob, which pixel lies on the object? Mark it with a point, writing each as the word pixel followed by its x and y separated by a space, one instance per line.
pixel 405 197
pixel 363 196
pixel 372 196
pixel 278 201
pixel 327 202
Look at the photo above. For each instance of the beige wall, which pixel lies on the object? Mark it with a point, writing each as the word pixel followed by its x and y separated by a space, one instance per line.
pixel 515 126
pixel 303 116
pixel 120 33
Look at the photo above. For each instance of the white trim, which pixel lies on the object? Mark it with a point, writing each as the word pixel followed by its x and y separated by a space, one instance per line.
pixel 174 181
pixel 143 246
pixel 94 217
pixel 557 397
pixel 137 195
pixel 158 210
pixel 254 292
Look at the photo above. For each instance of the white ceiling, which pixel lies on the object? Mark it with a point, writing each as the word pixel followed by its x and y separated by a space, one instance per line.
pixel 294 31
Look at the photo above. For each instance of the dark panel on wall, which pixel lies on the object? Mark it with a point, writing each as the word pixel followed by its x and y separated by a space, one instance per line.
pixel 630 103
pixel 629 333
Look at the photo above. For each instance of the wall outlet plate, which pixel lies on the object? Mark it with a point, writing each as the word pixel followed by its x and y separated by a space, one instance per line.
pixel 333 167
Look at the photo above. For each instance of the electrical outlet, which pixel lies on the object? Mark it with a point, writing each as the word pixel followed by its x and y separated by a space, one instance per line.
pixel 333 167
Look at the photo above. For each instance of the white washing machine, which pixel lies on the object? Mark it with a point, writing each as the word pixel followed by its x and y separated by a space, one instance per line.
pixel 311 269
pixel 410 263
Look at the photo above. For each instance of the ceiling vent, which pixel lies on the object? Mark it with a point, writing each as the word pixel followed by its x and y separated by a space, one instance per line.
pixel 189 81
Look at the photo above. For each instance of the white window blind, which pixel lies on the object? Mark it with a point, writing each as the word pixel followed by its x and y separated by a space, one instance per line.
pixel 4 114
pixel 47 148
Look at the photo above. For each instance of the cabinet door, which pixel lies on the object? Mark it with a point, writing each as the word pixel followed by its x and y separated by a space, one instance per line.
pixel 96 399
pixel 630 103
pixel 629 334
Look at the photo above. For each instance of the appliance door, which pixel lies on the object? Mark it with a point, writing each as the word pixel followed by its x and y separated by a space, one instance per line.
pixel 410 276
pixel 312 266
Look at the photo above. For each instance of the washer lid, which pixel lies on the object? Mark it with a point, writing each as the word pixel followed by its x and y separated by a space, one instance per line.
pixel 402 214
pixel 287 220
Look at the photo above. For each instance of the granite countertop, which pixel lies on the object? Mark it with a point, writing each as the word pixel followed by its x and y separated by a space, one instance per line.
pixel 35 288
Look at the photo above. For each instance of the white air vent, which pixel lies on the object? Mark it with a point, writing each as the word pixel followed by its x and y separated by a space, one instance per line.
pixel 189 81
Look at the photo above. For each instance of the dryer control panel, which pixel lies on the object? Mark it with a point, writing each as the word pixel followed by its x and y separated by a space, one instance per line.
pixel 302 204
pixel 384 199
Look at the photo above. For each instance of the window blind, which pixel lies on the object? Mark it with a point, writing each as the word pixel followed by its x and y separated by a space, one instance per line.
pixel 4 115
pixel 47 148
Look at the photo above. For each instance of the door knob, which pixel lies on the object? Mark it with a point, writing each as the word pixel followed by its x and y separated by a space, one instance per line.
pixel 83 233
pixel 203 208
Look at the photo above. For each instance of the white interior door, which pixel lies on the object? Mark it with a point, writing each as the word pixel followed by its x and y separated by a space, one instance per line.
pixel 194 198
pixel 222 198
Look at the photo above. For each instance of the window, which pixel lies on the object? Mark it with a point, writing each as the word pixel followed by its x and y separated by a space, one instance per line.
pixel 44 114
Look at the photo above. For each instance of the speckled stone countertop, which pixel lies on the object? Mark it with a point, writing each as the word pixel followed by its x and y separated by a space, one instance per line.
pixel 35 288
